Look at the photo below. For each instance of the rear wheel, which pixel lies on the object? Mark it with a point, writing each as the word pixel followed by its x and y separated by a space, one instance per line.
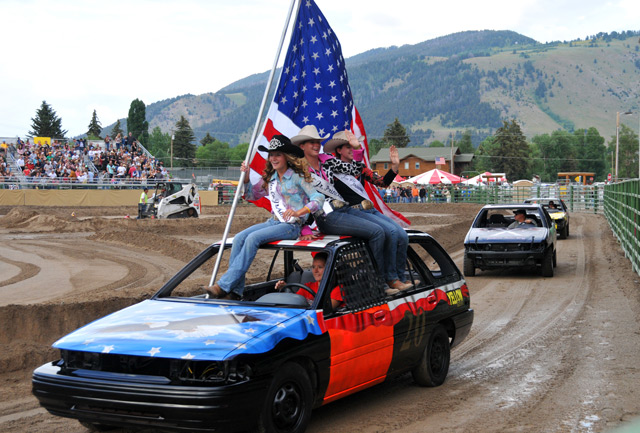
pixel 434 363
pixel 287 408
pixel 547 264
pixel 468 267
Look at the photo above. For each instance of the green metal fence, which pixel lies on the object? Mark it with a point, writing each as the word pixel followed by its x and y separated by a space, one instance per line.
pixel 578 198
pixel 622 210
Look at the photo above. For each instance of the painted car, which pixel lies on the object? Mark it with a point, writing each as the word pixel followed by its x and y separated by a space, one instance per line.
pixel 559 214
pixel 180 361
pixel 491 243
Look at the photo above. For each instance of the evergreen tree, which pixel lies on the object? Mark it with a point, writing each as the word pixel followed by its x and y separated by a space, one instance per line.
pixel 46 123
pixel 184 149
pixel 117 129
pixel 511 155
pixel 396 134
pixel 95 127
pixel 436 143
pixel 207 139
pixel 136 121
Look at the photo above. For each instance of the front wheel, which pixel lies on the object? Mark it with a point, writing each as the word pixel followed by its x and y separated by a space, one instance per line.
pixel 547 264
pixel 287 408
pixel 468 267
pixel 434 363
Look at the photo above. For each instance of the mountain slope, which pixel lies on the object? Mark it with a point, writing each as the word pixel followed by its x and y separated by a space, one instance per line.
pixel 469 80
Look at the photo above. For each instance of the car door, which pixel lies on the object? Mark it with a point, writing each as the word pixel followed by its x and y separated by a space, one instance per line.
pixel 361 332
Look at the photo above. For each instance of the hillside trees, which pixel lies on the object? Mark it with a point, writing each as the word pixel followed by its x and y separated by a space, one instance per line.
pixel 184 148
pixel 136 121
pixel 46 123
pixel 95 127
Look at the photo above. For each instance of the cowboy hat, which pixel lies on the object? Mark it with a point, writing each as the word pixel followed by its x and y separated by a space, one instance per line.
pixel 280 143
pixel 308 133
pixel 338 139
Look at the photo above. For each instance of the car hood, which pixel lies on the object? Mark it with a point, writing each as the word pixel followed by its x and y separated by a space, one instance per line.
pixel 206 331
pixel 557 215
pixel 499 235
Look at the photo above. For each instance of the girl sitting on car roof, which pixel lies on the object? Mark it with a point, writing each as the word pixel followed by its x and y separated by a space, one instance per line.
pixel 287 183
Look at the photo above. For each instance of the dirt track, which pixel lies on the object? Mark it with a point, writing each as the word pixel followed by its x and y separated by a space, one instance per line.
pixel 549 355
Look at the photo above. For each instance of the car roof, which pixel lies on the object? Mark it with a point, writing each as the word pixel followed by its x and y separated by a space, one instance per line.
pixel 323 241
pixel 542 198
pixel 512 206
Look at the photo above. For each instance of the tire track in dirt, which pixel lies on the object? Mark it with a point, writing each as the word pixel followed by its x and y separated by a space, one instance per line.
pixel 26 271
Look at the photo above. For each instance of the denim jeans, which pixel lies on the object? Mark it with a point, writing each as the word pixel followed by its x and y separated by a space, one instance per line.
pixel 395 244
pixel 350 222
pixel 245 247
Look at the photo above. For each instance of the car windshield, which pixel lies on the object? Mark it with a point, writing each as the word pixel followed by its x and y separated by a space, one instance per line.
pixel 501 218
pixel 270 265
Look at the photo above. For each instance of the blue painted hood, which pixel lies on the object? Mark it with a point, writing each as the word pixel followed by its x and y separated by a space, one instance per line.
pixel 498 235
pixel 203 331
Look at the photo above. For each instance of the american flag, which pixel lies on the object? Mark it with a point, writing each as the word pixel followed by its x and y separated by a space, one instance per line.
pixel 440 161
pixel 314 90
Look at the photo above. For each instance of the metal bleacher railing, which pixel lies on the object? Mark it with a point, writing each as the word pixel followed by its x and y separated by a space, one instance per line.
pixel 622 210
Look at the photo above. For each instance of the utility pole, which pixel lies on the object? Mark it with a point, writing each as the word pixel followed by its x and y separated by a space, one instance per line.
pixel 172 138
pixel 451 169
pixel 617 143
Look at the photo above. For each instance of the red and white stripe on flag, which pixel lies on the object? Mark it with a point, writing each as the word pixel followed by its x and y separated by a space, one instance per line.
pixel 313 90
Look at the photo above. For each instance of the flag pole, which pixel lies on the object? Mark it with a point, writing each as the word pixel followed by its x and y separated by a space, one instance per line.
pixel 240 187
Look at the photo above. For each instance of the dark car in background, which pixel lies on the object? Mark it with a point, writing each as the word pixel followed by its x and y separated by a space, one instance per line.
pixel 558 213
pixel 183 362
pixel 490 243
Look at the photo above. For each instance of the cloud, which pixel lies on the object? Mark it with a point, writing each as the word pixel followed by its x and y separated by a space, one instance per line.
pixel 80 55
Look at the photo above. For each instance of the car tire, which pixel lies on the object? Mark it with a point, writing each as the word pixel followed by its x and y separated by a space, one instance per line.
pixel 547 264
pixel 468 267
pixel 564 233
pixel 287 408
pixel 555 260
pixel 434 362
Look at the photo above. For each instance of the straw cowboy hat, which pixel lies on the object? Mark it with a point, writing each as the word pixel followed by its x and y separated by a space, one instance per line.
pixel 280 143
pixel 338 139
pixel 308 133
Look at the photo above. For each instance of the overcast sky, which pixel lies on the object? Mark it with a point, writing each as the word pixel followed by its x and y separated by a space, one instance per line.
pixel 84 55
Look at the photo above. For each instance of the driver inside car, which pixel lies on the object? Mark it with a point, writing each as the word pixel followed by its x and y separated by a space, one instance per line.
pixel 317 269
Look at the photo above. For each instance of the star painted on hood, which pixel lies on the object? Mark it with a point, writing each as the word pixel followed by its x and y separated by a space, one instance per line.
pixel 188 356
pixel 107 349
pixel 153 351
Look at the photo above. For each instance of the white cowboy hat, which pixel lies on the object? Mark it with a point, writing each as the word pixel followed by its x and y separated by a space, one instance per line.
pixel 338 139
pixel 308 133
